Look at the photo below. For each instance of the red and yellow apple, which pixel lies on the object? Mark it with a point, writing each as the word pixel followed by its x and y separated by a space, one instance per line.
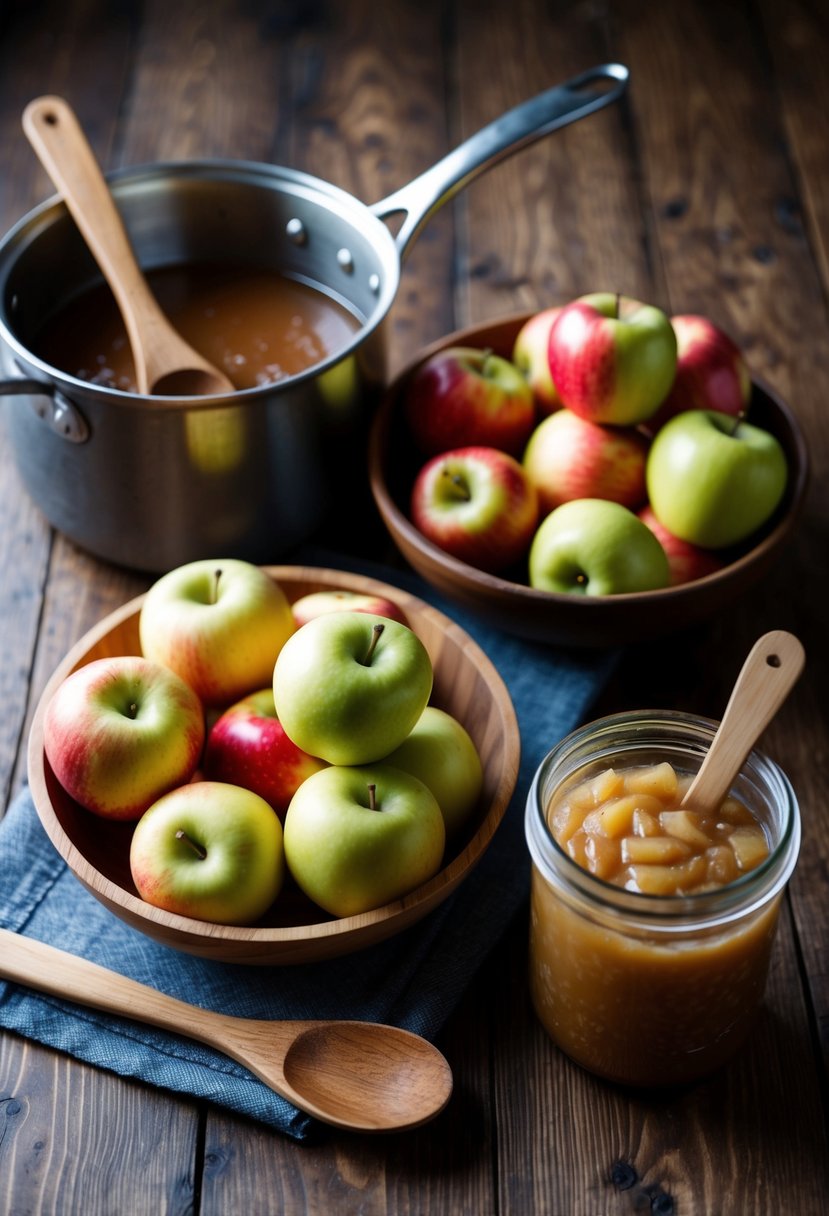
pixel 477 504
pixel 530 354
pixel 317 603
pixel 120 732
pixel 612 358
pixel 219 624
pixel 247 746
pixel 462 396
pixel 568 457
pixel 210 851
pixel 685 561
pixel 711 373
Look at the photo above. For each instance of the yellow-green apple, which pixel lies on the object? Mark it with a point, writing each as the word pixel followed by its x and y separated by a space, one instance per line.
pixel 211 851
pixel 568 457
pixel 462 396
pixel 247 746
pixel 594 547
pixel 530 354
pixel 120 732
pixel 712 479
pixel 612 358
pixel 219 623
pixel 348 686
pixel 318 602
pixel 357 838
pixel 686 562
pixel 440 752
pixel 711 373
pixel 478 505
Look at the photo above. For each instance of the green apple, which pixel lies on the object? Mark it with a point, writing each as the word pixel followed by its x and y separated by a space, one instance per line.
pixel 211 851
pixel 357 838
pixel 712 481
pixel 440 752
pixel 612 358
pixel 121 731
pixel 349 686
pixel 594 547
pixel 219 623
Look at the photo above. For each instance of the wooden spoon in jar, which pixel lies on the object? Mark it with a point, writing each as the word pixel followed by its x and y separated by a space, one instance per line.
pixel 362 1076
pixel 164 362
pixel 773 665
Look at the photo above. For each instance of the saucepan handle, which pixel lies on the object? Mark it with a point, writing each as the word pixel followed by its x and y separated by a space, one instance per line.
pixel 51 406
pixel 563 104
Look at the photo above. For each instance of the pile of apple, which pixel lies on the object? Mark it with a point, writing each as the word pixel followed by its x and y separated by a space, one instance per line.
pixel 253 737
pixel 609 454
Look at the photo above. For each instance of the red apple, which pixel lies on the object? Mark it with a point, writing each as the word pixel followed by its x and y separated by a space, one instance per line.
pixel 247 746
pixel 612 359
pixel 530 356
pixel 568 457
pixel 317 603
pixel 686 562
pixel 121 731
pixel 467 397
pixel 710 372
pixel 477 504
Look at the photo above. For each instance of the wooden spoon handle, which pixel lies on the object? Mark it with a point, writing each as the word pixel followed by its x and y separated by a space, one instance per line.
pixel 768 675
pixel 58 139
pixel 38 965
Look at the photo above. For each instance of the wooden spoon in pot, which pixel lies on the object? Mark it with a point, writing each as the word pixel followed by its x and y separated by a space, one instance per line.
pixel 164 363
pixel 773 665
pixel 363 1076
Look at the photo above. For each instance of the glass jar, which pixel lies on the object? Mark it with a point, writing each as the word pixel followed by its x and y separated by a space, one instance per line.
pixel 644 989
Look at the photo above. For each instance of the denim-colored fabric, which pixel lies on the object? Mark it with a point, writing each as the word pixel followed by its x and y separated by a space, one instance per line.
pixel 414 980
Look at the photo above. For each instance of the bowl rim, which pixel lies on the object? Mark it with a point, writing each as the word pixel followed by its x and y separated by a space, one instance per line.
pixel 495 585
pixel 427 895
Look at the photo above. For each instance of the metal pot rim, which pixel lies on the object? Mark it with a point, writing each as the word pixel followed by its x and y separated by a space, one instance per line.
pixel 291 181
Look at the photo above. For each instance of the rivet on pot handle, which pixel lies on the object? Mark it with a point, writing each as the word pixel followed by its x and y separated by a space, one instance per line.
pixel 563 104
pixel 50 405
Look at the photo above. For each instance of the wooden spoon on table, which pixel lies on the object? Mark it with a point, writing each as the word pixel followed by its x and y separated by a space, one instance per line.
pixel 363 1076
pixel 773 665
pixel 164 363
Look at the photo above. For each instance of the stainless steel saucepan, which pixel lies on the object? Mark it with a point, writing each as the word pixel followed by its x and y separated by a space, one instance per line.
pixel 152 482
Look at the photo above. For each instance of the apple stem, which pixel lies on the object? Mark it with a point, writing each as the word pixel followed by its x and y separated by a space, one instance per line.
pixel 617 305
pixel 217 577
pixel 197 848
pixel 372 799
pixel 132 710
pixel 376 630
pixel 738 418
pixel 458 484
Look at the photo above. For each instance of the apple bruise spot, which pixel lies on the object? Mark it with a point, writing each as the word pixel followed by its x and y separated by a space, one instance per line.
pixel 200 852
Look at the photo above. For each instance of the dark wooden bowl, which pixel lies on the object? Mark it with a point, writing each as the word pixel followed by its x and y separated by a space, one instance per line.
pixel 543 616
pixel 294 930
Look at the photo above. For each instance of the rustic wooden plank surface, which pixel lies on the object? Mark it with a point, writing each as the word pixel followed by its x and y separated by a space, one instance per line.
pixel 706 190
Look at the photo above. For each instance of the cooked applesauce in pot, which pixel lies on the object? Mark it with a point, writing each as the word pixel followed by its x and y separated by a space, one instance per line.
pixel 652 923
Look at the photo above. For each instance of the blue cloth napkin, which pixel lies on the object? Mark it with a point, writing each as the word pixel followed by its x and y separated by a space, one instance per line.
pixel 413 980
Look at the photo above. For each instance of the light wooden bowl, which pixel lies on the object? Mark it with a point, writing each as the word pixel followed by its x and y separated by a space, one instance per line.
pixel 542 616
pixel 294 931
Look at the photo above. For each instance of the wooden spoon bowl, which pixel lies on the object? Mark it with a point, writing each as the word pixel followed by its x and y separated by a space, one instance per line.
pixel 466 685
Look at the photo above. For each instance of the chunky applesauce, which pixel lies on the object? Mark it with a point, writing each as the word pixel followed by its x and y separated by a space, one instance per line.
pixel 630 829
pixel 649 981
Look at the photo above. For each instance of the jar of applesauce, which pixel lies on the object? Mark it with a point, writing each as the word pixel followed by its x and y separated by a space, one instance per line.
pixel 645 975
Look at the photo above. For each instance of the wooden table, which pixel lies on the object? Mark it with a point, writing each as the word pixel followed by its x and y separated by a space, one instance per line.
pixel 706 191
